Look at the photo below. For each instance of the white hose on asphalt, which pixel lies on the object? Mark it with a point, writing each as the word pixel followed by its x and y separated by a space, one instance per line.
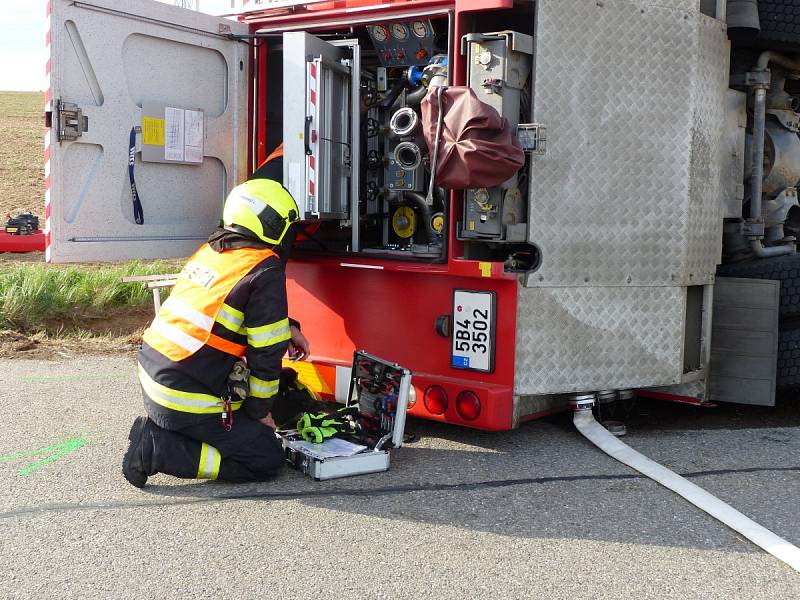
pixel 597 434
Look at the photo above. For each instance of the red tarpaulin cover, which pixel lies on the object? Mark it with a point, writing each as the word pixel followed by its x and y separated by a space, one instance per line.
pixel 477 147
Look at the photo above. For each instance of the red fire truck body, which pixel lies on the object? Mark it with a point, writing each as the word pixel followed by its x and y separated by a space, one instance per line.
pixel 592 270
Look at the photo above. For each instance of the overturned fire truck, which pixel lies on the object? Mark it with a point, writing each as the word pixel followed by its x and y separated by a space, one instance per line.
pixel 645 243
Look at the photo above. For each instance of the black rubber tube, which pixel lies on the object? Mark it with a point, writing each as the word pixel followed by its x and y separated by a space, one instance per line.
pixel 425 214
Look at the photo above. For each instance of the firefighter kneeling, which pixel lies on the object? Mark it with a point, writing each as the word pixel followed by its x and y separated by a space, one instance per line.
pixel 208 413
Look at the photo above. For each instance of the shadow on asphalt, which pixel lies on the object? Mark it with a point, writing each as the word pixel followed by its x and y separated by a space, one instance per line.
pixel 658 415
pixel 494 485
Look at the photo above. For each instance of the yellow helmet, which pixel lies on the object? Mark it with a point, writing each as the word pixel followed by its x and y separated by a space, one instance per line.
pixel 260 207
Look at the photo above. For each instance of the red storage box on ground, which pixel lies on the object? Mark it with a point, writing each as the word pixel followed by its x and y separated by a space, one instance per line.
pixel 22 243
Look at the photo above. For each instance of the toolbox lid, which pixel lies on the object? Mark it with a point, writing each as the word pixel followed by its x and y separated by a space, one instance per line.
pixel 380 388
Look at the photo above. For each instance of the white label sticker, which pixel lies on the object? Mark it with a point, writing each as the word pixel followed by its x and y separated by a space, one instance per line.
pixel 253 204
pixel 193 136
pixel 473 331
pixel 296 184
pixel 173 133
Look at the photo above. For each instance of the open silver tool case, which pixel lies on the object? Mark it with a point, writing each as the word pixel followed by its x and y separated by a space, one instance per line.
pixel 380 389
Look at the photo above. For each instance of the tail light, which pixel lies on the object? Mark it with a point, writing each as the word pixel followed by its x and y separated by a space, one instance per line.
pixel 435 400
pixel 468 405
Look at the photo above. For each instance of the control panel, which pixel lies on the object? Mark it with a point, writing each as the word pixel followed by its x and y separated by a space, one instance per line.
pixel 403 43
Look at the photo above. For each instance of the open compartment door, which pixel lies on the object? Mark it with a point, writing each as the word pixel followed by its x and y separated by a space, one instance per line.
pixel 173 78
pixel 317 130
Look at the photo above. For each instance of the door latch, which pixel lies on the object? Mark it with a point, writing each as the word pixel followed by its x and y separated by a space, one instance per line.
pixel 70 121
pixel 532 137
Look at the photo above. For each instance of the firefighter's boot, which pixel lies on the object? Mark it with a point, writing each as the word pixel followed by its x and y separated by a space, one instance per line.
pixel 136 463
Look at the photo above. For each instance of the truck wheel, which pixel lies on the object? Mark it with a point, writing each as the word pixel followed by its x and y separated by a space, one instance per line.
pixel 788 359
pixel 780 23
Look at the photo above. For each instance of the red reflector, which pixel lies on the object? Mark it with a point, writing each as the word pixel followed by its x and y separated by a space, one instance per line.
pixel 468 405
pixel 435 400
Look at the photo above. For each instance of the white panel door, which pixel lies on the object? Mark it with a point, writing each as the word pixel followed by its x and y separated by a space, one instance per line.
pixel 109 60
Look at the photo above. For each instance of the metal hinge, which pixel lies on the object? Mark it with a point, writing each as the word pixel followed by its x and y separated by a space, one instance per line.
pixel 533 137
pixel 70 121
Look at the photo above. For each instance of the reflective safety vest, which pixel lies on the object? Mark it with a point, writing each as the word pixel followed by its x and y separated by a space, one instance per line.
pixel 184 323
pixel 277 153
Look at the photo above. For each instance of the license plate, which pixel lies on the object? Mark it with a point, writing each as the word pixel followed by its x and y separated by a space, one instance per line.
pixel 473 331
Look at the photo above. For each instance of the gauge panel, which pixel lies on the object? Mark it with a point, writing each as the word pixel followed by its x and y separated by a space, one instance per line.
pixel 379 33
pixel 399 32
pixel 421 29
pixel 403 43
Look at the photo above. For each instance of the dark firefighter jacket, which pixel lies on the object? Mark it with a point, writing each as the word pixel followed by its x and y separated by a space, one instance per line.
pixel 260 299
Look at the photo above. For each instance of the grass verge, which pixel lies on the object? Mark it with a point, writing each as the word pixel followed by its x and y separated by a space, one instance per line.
pixel 74 299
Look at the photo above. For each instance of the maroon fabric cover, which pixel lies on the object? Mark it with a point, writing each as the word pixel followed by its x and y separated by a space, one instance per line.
pixel 477 147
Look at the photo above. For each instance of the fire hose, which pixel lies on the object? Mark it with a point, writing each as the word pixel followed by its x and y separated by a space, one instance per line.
pixel 585 423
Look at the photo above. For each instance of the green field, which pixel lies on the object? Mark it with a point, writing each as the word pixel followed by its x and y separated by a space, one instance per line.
pixel 21 153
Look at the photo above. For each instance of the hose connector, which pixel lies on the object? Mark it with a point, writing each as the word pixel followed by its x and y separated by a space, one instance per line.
pixel 404 122
pixel 606 396
pixel 408 155
pixel 582 402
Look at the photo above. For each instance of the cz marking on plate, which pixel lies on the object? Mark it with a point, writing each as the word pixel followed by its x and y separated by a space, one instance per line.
pixel 473 331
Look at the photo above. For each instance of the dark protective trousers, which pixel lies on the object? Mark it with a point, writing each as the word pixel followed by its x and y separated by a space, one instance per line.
pixel 248 452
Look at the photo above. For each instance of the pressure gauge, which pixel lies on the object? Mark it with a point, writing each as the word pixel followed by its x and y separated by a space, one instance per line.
pixel 380 33
pixel 399 31
pixel 419 29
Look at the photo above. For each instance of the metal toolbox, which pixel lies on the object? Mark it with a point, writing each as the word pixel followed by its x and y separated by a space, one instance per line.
pixel 380 390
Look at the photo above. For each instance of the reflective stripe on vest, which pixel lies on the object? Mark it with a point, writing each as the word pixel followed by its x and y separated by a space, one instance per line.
pixel 185 320
pixel 191 402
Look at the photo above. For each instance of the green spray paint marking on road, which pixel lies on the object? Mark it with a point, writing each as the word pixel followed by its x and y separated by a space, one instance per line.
pixel 53 452
pixel 59 378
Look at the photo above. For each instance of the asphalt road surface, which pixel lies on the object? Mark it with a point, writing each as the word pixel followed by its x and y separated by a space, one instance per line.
pixel 534 513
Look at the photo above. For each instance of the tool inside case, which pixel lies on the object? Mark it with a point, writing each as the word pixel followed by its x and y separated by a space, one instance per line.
pixel 375 388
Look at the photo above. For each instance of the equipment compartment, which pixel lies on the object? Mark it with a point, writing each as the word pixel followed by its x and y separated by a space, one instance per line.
pixel 354 155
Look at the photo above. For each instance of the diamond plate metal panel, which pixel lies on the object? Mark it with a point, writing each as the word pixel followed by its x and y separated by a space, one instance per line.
pixel 632 95
pixel 594 338
pixel 704 231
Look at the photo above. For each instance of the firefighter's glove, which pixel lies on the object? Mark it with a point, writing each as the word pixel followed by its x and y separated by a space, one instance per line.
pixel 238 385
pixel 317 428
pixel 293 399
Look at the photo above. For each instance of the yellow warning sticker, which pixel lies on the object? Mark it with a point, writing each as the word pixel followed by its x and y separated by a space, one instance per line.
pixel 486 269
pixel 152 131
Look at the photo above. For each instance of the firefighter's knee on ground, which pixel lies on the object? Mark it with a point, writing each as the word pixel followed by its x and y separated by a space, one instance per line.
pixel 268 467
pixel 271 458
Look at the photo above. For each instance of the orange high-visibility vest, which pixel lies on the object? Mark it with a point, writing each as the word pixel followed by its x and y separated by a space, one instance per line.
pixel 184 323
pixel 277 153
